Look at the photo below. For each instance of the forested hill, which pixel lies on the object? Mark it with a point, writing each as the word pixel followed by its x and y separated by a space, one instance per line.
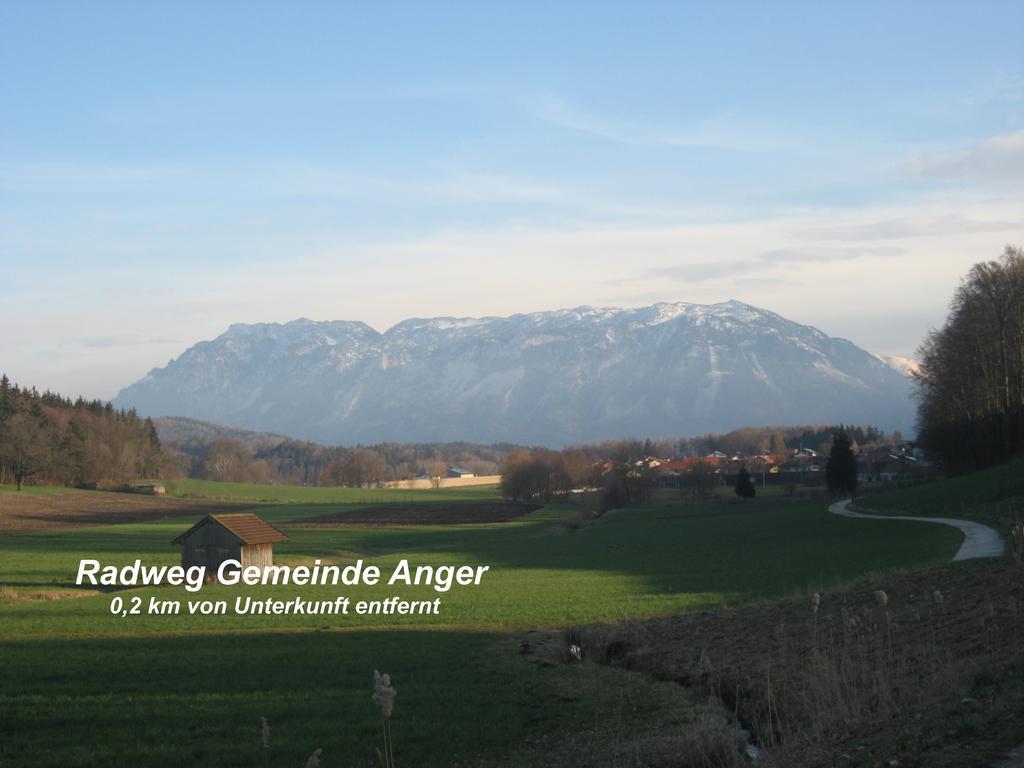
pixel 47 438
pixel 215 452
pixel 191 435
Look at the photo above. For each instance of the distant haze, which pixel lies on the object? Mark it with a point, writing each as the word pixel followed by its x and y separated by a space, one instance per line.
pixel 550 378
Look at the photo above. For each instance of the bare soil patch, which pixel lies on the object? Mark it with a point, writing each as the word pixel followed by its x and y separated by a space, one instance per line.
pixel 420 514
pixel 24 513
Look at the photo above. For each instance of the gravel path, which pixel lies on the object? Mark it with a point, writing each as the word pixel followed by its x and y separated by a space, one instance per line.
pixel 1013 759
pixel 979 540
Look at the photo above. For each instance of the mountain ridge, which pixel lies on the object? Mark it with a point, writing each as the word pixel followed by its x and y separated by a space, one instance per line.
pixel 550 378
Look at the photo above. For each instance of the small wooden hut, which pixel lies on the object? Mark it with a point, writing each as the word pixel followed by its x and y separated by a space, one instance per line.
pixel 150 489
pixel 216 538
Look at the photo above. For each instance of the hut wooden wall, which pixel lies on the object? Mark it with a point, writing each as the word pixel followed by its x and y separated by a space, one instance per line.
pixel 210 545
pixel 258 554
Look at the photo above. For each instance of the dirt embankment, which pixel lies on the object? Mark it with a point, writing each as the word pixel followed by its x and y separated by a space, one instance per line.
pixel 27 512
pixel 911 669
pixel 420 514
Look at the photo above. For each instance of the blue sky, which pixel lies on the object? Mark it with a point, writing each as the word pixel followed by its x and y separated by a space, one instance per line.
pixel 168 169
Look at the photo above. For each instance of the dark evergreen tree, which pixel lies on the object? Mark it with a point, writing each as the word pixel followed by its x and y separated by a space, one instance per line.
pixel 841 470
pixel 744 485
pixel 50 439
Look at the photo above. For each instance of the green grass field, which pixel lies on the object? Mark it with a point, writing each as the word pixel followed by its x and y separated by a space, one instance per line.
pixel 464 698
pixel 287 494
pixel 543 571
pixel 83 687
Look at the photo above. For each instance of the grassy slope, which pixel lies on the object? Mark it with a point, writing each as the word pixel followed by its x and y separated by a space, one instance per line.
pixel 947 497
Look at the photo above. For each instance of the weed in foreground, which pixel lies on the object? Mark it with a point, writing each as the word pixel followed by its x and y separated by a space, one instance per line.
pixel 384 697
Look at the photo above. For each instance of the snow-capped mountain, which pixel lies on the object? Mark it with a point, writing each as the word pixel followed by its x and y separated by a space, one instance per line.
pixel 550 378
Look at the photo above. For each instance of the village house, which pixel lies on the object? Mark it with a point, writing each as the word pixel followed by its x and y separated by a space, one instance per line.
pixel 648 462
pixel 243 537
pixel 796 466
pixel 676 473
pixel 886 466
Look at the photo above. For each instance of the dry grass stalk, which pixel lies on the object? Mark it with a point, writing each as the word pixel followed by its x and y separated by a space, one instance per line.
pixel 384 697
pixel 265 739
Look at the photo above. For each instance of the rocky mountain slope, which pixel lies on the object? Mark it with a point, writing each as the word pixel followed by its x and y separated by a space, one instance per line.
pixel 549 378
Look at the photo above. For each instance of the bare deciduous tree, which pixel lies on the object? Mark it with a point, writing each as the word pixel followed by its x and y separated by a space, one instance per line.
pixel 227 460
pixel 438 470
pixel 971 381
pixel 26 447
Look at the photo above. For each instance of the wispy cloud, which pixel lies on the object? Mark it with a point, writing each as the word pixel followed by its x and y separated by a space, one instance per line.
pixel 305 180
pixel 823 254
pixel 999 158
pixel 766 262
pixel 173 196
pixel 914 226
pixel 95 178
pixel 702 271
pixel 714 133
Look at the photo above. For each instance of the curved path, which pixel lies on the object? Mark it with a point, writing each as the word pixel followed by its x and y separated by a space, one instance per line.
pixel 979 540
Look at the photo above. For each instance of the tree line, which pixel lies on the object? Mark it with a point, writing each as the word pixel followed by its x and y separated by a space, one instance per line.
pixel 242 456
pixel 748 441
pixel 49 439
pixel 616 471
pixel 235 459
pixel 970 384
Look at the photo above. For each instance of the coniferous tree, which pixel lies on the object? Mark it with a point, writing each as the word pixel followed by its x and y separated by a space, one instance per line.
pixel 841 469
pixel 48 438
pixel 744 485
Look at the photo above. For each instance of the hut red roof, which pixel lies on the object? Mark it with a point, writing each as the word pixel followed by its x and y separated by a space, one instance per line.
pixel 247 527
